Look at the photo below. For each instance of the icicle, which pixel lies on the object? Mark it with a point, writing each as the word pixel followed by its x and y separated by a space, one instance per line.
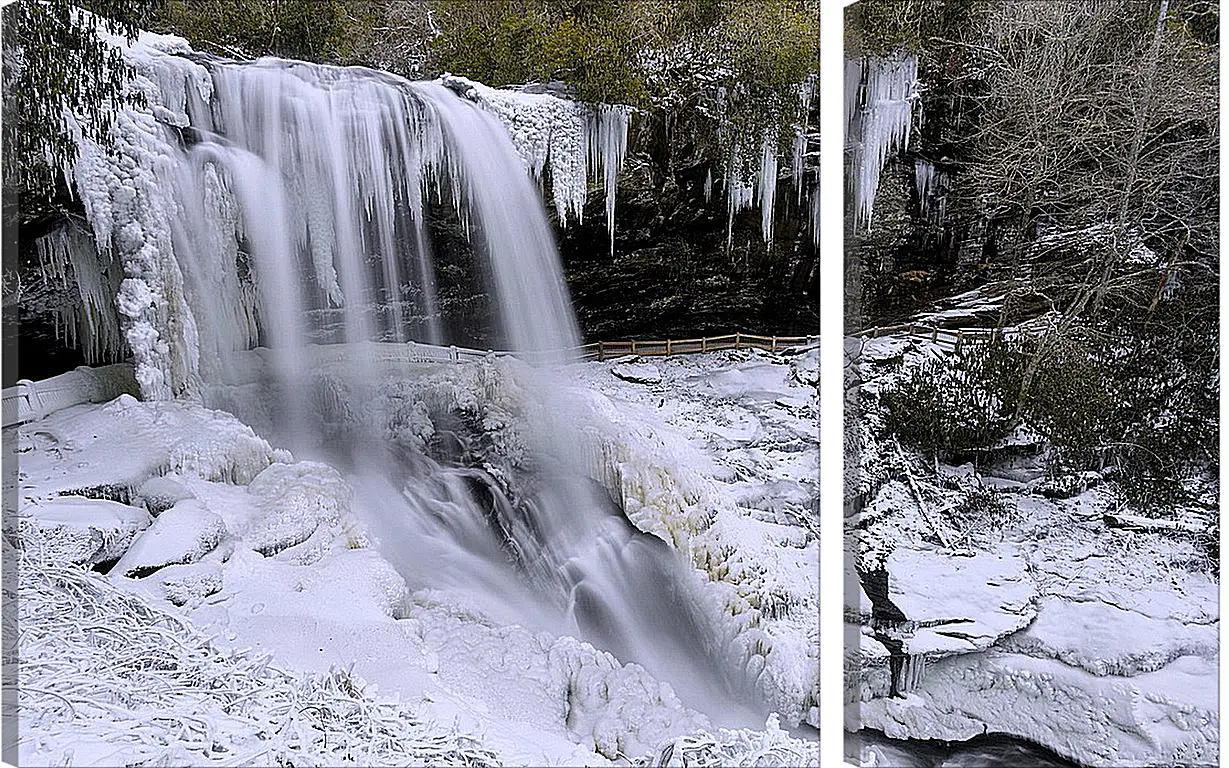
pixel 610 149
pixel 739 194
pixel 71 249
pixel 767 183
pixel 878 124
pixel 799 161
pixel 815 214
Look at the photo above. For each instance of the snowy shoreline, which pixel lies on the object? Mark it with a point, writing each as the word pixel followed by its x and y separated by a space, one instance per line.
pixel 1096 641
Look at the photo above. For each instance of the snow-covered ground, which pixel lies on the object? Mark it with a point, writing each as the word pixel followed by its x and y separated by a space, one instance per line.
pixel 1098 642
pixel 248 613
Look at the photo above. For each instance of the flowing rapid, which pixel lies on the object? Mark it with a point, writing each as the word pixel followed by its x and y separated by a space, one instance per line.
pixel 282 218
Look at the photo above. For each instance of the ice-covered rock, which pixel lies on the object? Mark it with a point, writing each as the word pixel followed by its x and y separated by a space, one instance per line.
pixel 182 534
pixel 969 602
pixel 158 439
pixel 637 373
pixel 161 493
pixel 293 502
pixel 1166 717
pixel 187 584
pixel 88 531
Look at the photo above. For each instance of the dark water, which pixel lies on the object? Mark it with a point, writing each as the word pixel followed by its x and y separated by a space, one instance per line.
pixel 982 752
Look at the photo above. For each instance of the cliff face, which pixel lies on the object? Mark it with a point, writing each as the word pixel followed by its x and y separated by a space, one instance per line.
pixel 681 264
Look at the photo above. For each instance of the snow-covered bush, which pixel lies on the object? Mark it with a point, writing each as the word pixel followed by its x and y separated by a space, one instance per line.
pixel 727 749
pixel 951 403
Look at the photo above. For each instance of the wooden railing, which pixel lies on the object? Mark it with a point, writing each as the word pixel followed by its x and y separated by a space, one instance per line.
pixel 605 349
pixel 955 338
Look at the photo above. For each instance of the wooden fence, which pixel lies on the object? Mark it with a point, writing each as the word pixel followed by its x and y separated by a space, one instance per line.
pixel 606 349
pixel 955 338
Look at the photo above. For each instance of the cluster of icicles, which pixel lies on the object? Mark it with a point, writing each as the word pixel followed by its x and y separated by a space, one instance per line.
pixel 749 183
pixel 880 97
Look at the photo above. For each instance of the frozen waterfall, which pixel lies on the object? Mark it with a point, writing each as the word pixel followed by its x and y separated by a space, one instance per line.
pixel 283 203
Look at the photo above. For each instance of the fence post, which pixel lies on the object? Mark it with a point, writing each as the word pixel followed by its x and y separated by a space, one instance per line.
pixel 633 346
pixel 601 351
pixel 704 344
pixel 738 337
pixel 33 397
pixel 669 351
pixel 453 355
pixel 774 343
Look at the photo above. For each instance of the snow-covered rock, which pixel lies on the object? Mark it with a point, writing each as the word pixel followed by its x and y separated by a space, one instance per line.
pixel 637 373
pixel 162 493
pixel 969 603
pixel 87 531
pixel 182 534
pixel 157 439
pixel 294 501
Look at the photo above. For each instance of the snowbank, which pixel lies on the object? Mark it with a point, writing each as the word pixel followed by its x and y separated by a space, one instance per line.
pixel 137 681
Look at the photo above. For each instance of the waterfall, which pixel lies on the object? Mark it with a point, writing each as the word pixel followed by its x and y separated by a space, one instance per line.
pixel 880 93
pixel 283 205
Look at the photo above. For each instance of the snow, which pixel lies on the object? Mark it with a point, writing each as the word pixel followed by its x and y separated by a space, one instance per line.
pixel 720 459
pixel 77 448
pixel 181 534
pixel 76 529
pixel 989 594
pixel 110 678
pixel 1100 643
pixel 637 373
pixel 569 136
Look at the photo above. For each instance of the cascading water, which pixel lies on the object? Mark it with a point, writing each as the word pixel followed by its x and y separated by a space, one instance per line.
pixel 284 205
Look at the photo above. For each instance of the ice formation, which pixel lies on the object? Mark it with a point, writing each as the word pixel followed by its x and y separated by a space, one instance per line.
pixel 746 186
pixel 92 325
pixel 930 183
pixel 880 97
pixel 571 138
pixel 239 178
